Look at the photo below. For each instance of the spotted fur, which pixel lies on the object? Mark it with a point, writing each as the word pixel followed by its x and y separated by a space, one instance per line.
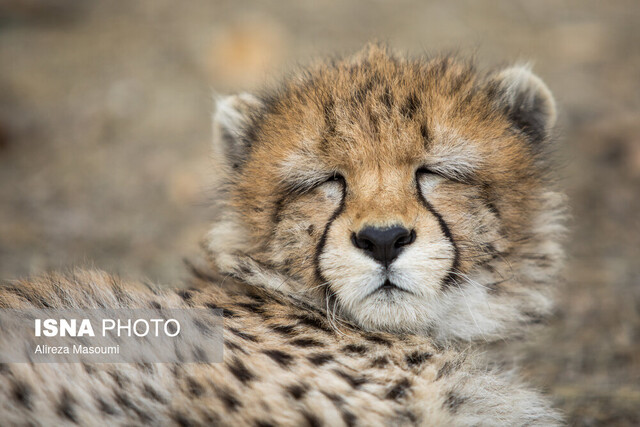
pixel 313 336
pixel 458 156
pixel 283 365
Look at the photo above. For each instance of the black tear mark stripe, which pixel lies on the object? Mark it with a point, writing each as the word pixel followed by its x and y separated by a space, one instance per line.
pixel 323 239
pixel 449 280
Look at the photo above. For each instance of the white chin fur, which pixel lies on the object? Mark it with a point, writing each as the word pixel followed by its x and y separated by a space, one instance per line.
pixel 419 271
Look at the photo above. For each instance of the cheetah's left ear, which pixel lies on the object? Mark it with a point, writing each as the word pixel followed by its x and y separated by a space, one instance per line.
pixel 526 100
pixel 232 123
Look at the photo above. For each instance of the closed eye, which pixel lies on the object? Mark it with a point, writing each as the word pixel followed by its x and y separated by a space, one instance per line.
pixel 444 171
pixel 424 170
pixel 300 187
pixel 335 177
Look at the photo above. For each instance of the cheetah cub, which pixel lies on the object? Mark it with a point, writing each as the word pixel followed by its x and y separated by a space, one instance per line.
pixel 404 195
pixel 379 217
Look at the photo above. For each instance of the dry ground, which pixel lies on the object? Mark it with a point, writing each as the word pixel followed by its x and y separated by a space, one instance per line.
pixel 104 129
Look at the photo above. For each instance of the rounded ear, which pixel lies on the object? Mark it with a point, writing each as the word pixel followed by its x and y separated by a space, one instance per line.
pixel 233 120
pixel 526 100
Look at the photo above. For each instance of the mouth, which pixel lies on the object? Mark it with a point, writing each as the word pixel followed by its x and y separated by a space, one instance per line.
pixel 387 288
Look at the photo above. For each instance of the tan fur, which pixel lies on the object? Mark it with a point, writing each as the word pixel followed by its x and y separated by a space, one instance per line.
pixel 318 376
pixel 374 120
pixel 457 156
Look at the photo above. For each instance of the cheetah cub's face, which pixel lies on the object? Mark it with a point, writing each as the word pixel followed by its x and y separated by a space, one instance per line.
pixel 402 195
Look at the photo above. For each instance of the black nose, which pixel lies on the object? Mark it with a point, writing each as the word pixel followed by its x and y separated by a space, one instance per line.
pixel 383 244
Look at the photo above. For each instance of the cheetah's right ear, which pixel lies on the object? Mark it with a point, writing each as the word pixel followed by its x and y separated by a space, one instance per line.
pixel 232 123
pixel 526 100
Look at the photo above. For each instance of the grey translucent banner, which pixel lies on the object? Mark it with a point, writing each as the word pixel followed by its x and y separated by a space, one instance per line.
pixel 105 335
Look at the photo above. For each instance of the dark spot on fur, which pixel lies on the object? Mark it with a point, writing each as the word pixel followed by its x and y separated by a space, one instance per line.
pixel 119 379
pixel 378 340
pixel 446 369
pixel 257 298
pixel 353 381
pixel 407 415
pixel 309 308
pixel 176 371
pixel 329 120
pixel 460 80
pixel 492 208
pixel 311 419
pixel 440 68
pixel 105 407
pixel 306 342
pixel 229 400
pixel 354 349
pixel 124 401
pixel 310 230
pixel 276 215
pixel 374 119
pixel 243 335
pixel 533 318
pixel 297 391
pixel 319 359
pixel 233 346
pixel 360 94
pixel 152 393
pixel 387 98
pixel 348 417
pixel 417 358
pixel 244 268
pixel 194 387
pixel 334 398
pixel 424 133
pixel 263 423
pixel 453 402
pixel 251 306
pixel 399 390
pixel 184 294
pixel 380 362
pixel 65 406
pixel 145 367
pixel 314 322
pixel 410 106
pixel 240 371
pixel 202 327
pixel 280 357
pixel 156 305
pixel 285 330
pixel 21 392
pixel 182 420
pixel 228 313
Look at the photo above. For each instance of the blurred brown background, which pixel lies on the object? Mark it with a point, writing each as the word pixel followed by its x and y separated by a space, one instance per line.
pixel 104 134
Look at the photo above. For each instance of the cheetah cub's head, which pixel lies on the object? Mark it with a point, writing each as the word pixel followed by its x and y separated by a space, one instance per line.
pixel 403 195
